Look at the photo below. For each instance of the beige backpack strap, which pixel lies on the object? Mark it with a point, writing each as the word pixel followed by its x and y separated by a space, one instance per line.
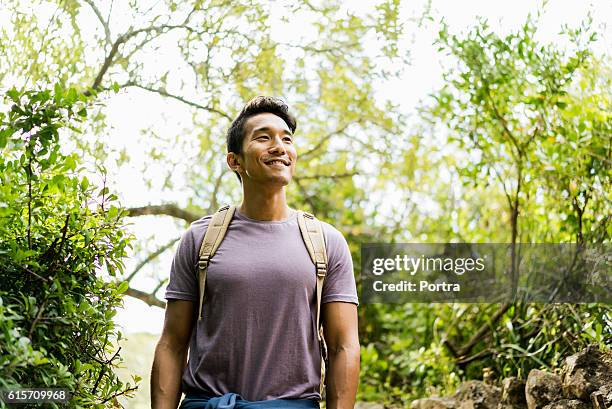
pixel 312 233
pixel 212 239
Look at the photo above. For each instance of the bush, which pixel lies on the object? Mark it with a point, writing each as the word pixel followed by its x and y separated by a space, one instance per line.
pixel 59 235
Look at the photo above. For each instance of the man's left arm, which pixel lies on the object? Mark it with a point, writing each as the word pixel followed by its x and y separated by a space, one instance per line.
pixel 341 336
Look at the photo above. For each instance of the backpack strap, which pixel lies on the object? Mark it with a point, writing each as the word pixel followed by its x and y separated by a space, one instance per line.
pixel 212 239
pixel 312 234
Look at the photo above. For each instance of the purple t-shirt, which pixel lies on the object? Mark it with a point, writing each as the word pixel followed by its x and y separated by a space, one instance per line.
pixel 257 334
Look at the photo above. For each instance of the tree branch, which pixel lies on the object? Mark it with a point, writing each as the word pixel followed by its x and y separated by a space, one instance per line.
pixel 214 204
pixel 162 28
pixel 316 177
pixel 96 10
pixel 482 331
pixel 167 210
pixel 159 285
pixel 306 196
pixel 324 139
pixel 37 318
pixel 106 64
pixel 480 355
pixel 165 93
pixel 497 174
pixel 151 257
pixel 504 124
pixel 150 299
pixel 334 50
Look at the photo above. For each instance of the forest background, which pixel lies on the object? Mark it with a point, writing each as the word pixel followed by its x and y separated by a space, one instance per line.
pixel 417 122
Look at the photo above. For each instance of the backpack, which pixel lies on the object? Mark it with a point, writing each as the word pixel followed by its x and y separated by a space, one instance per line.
pixel 312 234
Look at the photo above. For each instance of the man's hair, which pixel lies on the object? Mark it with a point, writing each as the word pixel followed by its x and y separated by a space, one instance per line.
pixel 257 105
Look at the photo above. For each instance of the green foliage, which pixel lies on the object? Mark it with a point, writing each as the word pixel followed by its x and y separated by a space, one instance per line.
pixel 403 357
pixel 535 121
pixel 58 234
pixel 541 336
pixel 528 142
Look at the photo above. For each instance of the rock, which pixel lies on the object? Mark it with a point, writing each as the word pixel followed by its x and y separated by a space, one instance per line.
pixel 513 394
pixel 477 395
pixel 587 372
pixel 542 388
pixel 585 383
pixel 568 404
pixel 598 400
pixel 433 403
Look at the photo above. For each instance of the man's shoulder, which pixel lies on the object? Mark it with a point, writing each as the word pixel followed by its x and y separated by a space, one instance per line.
pixel 197 228
pixel 329 228
pixel 333 236
pixel 200 223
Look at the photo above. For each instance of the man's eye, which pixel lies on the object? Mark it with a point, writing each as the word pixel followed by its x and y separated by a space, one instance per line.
pixel 263 137
pixel 288 139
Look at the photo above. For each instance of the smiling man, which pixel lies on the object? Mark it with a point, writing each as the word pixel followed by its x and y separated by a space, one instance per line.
pixel 249 338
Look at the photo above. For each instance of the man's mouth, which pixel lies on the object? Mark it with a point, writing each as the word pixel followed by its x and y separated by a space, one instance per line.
pixel 278 162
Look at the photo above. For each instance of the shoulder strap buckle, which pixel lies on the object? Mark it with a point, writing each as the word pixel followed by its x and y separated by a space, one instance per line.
pixel 321 269
pixel 203 262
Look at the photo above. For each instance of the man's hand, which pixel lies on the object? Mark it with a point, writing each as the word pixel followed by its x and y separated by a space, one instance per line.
pixel 171 355
pixel 341 336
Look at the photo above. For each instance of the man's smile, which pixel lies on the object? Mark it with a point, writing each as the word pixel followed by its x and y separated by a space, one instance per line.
pixel 278 161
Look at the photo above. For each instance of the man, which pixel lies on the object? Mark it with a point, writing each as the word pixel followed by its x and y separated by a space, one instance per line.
pixel 257 335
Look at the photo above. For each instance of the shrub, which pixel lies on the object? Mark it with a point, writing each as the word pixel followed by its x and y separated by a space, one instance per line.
pixel 59 235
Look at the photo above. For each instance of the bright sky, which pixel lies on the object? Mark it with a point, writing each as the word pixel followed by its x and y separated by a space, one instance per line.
pixel 131 111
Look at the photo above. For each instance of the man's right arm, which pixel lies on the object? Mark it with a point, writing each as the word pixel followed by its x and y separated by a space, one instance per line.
pixel 171 355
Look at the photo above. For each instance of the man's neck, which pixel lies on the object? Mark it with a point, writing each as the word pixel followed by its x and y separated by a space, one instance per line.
pixel 269 204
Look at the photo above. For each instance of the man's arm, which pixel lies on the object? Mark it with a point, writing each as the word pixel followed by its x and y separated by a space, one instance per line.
pixel 171 355
pixel 341 335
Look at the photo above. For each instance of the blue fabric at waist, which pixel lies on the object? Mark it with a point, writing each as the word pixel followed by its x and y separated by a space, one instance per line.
pixel 235 401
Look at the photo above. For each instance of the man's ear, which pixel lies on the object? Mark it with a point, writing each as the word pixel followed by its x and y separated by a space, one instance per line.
pixel 233 161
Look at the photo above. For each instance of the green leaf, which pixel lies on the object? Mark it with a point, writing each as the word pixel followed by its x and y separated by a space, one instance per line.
pixel 113 211
pixel 123 287
pixel 84 183
pixel 58 93
pixel 5 134
pixel 14 95
pixel 71 96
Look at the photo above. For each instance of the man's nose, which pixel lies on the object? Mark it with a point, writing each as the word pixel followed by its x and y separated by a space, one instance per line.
pixel 277 145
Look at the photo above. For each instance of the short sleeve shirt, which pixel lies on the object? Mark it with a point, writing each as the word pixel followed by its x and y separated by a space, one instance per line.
pixel 257 336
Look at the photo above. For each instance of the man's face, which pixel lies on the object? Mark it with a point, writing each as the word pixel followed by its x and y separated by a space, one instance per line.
pixel 268 154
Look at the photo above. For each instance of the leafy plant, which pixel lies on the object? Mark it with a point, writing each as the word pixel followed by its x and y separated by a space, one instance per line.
pixel 59 235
